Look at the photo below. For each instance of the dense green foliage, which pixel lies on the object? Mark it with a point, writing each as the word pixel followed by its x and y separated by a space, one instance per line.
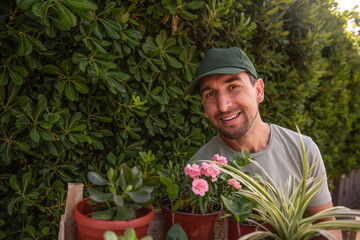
pixel 81 79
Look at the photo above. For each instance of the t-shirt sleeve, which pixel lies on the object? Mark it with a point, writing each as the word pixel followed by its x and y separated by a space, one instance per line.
pixel 319 173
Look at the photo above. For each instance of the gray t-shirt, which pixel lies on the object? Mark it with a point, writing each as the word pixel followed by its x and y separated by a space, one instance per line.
pixel 281 158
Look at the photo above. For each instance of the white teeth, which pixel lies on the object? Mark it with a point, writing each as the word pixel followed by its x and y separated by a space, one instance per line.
pixel 231 117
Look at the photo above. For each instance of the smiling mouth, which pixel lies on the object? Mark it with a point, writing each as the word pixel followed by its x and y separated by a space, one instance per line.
pixel 230 117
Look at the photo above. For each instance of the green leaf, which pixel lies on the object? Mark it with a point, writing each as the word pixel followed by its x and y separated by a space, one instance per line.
pixel 119 201
pixel 194 4
pixel 11 204
pixel 52 149
pixel 273 11
pixel 52 69
pixel 99 196
pixel 97 179
pixel 81 4
pixel 130 234
pixel 44 125
pixel 4 78
pixel 26 179
pixel 240 209
pixel 30 230
pixel 26 4
pixel 125 17
pixel 140 196
pixel 98 145
pixel 107 64
pixel 35 134
pixel 14 184
pixel 6 155
pixel 46 135
pixel 110 174
pixel 78 136
pixel 70 92
pixel 25 46
pixel 124 213
pixel 38 44
pixel 22 122
pixel 152 181
pixel 172 61
pixel 15 77
pixel 107 214
pixel 110 235
pixel 176 232
pixel 66 17
pixel 45 231
pixel 110 28
pixel 98 47
pixel 81 87
pixel 23 146
pixel 187 15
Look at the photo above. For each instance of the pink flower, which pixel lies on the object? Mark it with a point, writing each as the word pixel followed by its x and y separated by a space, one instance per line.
pixel 210 170
pixel 200 187
pixel 234 183
pixel 219 159
pixel 193 171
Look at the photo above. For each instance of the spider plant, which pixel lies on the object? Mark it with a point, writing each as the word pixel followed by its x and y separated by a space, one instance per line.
pixel 287 215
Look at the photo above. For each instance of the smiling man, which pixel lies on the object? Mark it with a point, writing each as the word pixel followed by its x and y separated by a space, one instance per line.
pixel 231 93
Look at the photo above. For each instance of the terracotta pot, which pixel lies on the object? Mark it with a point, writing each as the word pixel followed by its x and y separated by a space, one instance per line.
pixel 236 230
pixel 265 227
pixel 93 229
pixel 196 226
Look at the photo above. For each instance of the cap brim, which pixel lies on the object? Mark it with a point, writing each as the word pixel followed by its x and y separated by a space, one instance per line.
pixel 194 87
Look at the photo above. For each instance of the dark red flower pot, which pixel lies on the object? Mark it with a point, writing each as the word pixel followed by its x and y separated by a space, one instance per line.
pixel 265 227
pixel 236 230
pixel 93 229
pixel 196 226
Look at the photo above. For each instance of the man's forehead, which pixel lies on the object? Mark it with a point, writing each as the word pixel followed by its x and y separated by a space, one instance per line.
pixel 223 78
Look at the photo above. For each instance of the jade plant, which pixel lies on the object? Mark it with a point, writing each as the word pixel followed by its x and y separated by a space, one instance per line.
pixel 129 234
pixel 123 192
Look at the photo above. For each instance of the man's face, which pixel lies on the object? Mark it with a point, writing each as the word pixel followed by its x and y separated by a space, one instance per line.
pixel 231 102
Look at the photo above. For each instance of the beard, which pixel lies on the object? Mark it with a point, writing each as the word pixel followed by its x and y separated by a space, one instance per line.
pixel 236 132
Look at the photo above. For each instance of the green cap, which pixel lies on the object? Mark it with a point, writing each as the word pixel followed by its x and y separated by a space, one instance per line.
pixel 221 61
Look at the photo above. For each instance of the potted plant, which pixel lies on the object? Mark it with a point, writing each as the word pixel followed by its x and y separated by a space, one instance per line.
pixel 285 218
pixel 120 200
pixel 238 207
pixel 194 196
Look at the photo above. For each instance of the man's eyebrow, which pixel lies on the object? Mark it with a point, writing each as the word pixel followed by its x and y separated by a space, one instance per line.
pixel 232 79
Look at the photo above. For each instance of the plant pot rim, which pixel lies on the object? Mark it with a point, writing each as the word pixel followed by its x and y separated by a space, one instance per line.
pixel 82 219
pixel 186 213
pixel 245 222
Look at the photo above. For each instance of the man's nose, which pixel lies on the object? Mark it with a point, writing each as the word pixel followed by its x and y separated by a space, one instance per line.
pixel 224 102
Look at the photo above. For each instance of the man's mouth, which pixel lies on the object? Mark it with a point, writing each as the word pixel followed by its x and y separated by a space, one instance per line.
pixel 230 117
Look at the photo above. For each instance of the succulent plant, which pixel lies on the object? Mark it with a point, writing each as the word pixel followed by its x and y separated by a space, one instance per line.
pixel 123 193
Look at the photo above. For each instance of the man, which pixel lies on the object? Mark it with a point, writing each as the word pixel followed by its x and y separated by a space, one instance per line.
pixel 230 93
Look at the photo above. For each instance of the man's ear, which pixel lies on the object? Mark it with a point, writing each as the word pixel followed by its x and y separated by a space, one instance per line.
pixel 259 86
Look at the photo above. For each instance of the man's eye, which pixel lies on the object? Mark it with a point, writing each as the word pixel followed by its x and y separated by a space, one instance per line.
pixel 233 87
pixel 209 94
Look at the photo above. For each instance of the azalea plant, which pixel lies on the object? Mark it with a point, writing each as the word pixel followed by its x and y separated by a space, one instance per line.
pixel 200 186
pixel 285 218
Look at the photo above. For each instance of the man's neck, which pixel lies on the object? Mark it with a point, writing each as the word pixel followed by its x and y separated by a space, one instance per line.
pixel 255 140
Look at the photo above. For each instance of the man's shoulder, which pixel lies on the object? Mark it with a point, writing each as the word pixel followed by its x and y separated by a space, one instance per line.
pixel 289 134
pixel 292 138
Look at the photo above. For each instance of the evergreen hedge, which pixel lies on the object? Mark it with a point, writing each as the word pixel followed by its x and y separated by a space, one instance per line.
pixel 88 84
